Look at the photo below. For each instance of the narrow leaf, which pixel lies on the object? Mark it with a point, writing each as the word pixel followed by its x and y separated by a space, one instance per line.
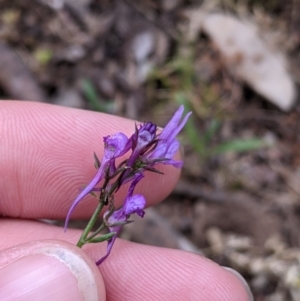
pixel 102 238
pixel 240 145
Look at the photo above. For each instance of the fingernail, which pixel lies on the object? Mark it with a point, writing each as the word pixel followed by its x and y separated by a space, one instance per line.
pixel 242 280
pixel 53 273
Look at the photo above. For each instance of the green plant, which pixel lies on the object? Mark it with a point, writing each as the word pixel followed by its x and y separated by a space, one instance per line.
pixel 180 83
pixel 201 143
pixel 92 98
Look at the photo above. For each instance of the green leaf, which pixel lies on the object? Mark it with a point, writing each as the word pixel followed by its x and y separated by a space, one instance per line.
pixel 92 97
pixel 240 145
pixel 97 162
pixel 211 131
pixel 101 238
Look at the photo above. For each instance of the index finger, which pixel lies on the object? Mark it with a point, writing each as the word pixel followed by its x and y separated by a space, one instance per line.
pixel 46 156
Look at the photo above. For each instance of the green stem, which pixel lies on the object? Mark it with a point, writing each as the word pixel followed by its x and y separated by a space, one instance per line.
pixel 96 232
pixel 90 225
pixel 103 197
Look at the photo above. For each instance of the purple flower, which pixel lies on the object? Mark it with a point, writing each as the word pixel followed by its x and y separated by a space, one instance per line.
pixel 141 140
pixel 132 204
pixel 148 149
pixel 167 145
pixel 114 146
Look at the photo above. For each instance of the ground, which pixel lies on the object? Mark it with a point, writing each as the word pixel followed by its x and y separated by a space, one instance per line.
pixel 237 201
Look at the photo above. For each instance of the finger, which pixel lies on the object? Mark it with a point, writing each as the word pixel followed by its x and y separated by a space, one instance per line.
pixel 135 272
pixel 47 156
pixel 49 270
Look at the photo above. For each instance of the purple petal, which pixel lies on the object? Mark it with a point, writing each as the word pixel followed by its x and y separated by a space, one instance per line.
pixel 164 150
pixel 177 164
pixel 110 244
pixel 135 204
pixel 97 178
pixel 172 150
pixel 168 145
pixel 118 216
pixel 172 124
pixel 115 145
pixel 159 151
pixel 181 125
pixel 142 139
pixel 136 179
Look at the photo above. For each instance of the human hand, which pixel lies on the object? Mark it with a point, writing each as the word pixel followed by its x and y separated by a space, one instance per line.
pixel 45 156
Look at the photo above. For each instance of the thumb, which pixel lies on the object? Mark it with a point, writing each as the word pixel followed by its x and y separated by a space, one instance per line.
pixel 49 270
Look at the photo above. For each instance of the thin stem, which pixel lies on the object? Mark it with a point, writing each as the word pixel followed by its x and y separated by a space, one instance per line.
pixel 96 232
pixel 103 197
pixel 90 225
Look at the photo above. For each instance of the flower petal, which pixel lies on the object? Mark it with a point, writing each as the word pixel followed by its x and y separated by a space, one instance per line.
pixel 172 150
pixel 115 145
pixel 142 138
pixel 177 164
pixel 97 178
pixel 136 179
pixel 135 204
pixel 172 124
pixel 180 125
pixel 110 244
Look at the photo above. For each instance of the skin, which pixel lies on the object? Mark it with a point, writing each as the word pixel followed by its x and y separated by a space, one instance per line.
pixel 46 156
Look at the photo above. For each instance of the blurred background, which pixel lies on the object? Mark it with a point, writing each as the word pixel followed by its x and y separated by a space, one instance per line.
pixel 235 64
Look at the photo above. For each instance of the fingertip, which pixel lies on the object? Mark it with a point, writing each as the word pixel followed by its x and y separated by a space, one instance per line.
pixel 214 282
pixel 220 283
pixel 242 280
pixel 176 275
pixel 54 269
